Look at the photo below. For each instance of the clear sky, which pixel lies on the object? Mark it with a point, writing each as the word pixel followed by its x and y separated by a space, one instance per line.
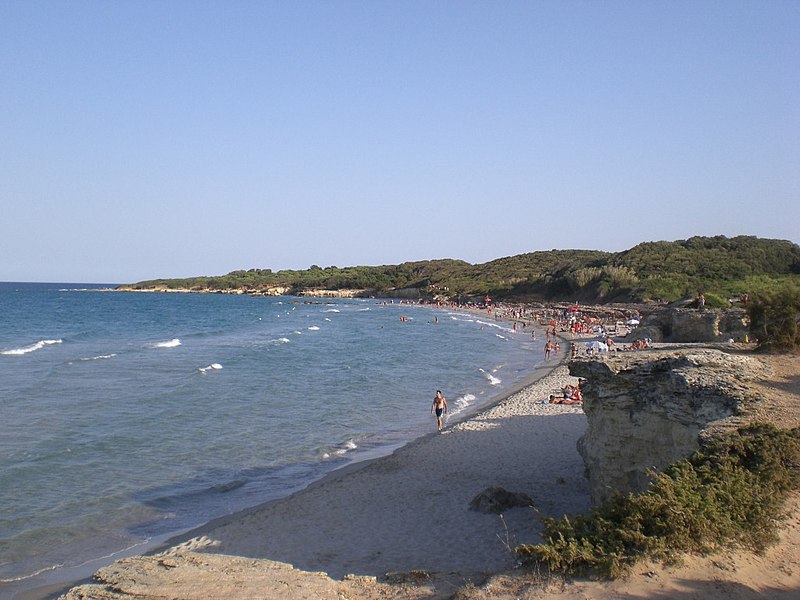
pixel 143 139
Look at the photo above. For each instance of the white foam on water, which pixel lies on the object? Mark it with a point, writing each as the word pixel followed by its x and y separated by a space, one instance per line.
pixel 345 448
pixel 327 319
pixel 363 309
pixel 101 357
pixel 313 328
pixel 460 317
pixel 497 326
pixel 342 449
pixel 459 405
pixel 491 378
pixel 211 367
pixel 170 344
pixel 331 310
pixel 32 348
pixel 282 340
pixel 502 337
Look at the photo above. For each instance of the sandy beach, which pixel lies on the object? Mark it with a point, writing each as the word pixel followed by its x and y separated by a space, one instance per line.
pixel 410 511
pixel 401 526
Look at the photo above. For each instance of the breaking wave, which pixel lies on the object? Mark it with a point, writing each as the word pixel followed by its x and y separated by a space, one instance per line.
pixel 32 348
pixel 170 344
pixel 101 357
pixel 491 378
pixel 341 450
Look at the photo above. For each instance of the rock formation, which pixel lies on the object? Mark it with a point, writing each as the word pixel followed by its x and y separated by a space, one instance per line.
pixel 497 500
pixel 646 410
pixel 693 325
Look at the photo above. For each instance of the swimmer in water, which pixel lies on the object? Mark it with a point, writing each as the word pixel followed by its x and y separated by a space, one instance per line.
pixel 440 406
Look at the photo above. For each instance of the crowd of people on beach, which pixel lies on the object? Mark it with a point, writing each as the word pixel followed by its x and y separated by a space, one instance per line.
pixel 592 324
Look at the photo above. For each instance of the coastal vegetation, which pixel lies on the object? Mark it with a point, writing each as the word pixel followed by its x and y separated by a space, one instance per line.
pixel 775 317
pixel 730 492
pixel 719 267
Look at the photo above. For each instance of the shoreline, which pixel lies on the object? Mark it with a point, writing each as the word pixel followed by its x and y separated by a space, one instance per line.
pixel 50 583
pixel 539 373
pixel 344 514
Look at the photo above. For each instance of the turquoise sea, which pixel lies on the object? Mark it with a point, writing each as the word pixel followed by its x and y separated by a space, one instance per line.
pixel 128 417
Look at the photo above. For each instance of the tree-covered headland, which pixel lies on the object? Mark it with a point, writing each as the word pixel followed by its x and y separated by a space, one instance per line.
pixel 719 267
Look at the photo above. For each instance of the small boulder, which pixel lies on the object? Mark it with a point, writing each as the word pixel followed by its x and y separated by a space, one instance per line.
pixel 496 500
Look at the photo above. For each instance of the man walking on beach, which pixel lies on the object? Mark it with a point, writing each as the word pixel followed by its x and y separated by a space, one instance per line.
pixel 439 405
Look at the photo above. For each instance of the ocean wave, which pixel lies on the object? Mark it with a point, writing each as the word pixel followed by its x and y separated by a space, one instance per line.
pixel 460 317
pixel 101 357
pixel 460 404
pixel 491 378
pixel 194 492
pixel 313 328
pixel 341 450
pixel 170 344
pixel 502 337
pixel 211 367
pixel 55 567
pixel 32 348
pixel 332 310
pixel 496 326
pixel 282 340
pixel 228 486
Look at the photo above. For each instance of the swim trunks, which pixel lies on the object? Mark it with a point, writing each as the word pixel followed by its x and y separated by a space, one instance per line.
pixel 439 412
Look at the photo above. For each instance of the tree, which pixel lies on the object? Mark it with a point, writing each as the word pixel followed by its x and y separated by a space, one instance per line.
pixel 775 318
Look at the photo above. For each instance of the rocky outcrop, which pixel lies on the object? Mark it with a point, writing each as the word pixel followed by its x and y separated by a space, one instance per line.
pixel 693 325
pixel 646 410
pixel 497 500
pixel 195 575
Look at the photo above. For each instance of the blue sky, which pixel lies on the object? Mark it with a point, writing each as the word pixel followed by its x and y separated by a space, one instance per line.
pixel 169 139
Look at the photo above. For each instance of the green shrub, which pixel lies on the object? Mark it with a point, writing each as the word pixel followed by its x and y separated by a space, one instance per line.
pixel 729 492
pixel 774 317
pixel 715 301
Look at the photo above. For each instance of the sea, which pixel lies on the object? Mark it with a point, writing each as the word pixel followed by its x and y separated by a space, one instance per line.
pixel 129 417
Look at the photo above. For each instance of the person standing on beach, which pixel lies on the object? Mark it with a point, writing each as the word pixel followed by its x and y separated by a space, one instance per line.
pixel 548 348
pixel 439 405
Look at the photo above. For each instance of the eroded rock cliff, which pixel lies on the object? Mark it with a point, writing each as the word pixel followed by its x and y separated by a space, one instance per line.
pixel 647 410
pixel 693 325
